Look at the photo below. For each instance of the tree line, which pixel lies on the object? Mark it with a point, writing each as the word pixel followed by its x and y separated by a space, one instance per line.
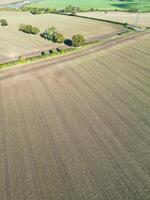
pixel 53 35
pixel 50 34
pixel 68 9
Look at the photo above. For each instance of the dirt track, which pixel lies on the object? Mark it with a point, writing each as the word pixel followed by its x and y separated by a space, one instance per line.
pixel 77 127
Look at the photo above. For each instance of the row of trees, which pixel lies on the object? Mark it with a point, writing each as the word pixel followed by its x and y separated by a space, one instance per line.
pixel 53 35
pixel 71 9
pixel 29 29
pixel 68 9
pixel 3 22
pixel 35 10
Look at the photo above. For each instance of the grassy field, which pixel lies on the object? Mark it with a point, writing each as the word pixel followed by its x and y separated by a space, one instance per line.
pixel 88 4
pixel 14 43
pixel 79 129
pixel 130 18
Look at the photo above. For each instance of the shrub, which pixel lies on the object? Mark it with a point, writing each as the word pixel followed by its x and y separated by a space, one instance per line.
pixel 68 9
pixel 74 11
pixel 35 30
pixel 59 49
pixel 35 11
pixel 53 51
pixel 59 38
pixel 126 24
pixel 78 40
pixel 45 53
pixel 29 29
pixel 21 27
pixel 49 33
pixel 92 9
pixel 133 10
pixel 3 22
pixel 52 35
pixel 22 59
pixel 47 10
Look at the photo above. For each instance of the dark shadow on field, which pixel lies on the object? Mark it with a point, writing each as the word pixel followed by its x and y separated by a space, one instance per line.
pixel 125 5
pixel 68 42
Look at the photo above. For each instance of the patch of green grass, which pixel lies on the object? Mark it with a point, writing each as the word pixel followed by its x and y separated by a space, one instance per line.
pixel 84 4
pixel 132 6
pixel 88 4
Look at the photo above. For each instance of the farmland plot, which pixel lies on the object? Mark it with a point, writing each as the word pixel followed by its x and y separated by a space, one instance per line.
pixel 123 17
pixel 14 43
pixel 79 129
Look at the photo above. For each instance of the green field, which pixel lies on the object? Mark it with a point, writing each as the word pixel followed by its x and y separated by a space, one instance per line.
pixel 78 129
pixel 88 4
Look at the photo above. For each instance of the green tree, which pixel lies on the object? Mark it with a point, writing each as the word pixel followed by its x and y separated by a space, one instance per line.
pixel 35 30
pixel 21 27
pixel 68 9
pixel 29 29
pixel 35 11
pixel 47 10
pixel 3 22
pixel 59 38
pixel 73 11
pixel 78 40
pixel 49 33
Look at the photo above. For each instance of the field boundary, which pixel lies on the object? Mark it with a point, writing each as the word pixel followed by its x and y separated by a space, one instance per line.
pixel 36 56
pixel 92 36
pixel 102 20
pixel 37 53
pixel 92 18
pixel 34 66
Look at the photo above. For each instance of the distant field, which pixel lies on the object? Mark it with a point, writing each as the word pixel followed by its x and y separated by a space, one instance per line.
pixel 88 4
pixel 144 18
pixel 78 130
pixel 14 43
pixel 2 2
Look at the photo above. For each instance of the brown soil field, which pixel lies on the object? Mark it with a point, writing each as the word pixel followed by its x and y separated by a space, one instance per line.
pixel 78 129
pixel 15 43
pixel 130 18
